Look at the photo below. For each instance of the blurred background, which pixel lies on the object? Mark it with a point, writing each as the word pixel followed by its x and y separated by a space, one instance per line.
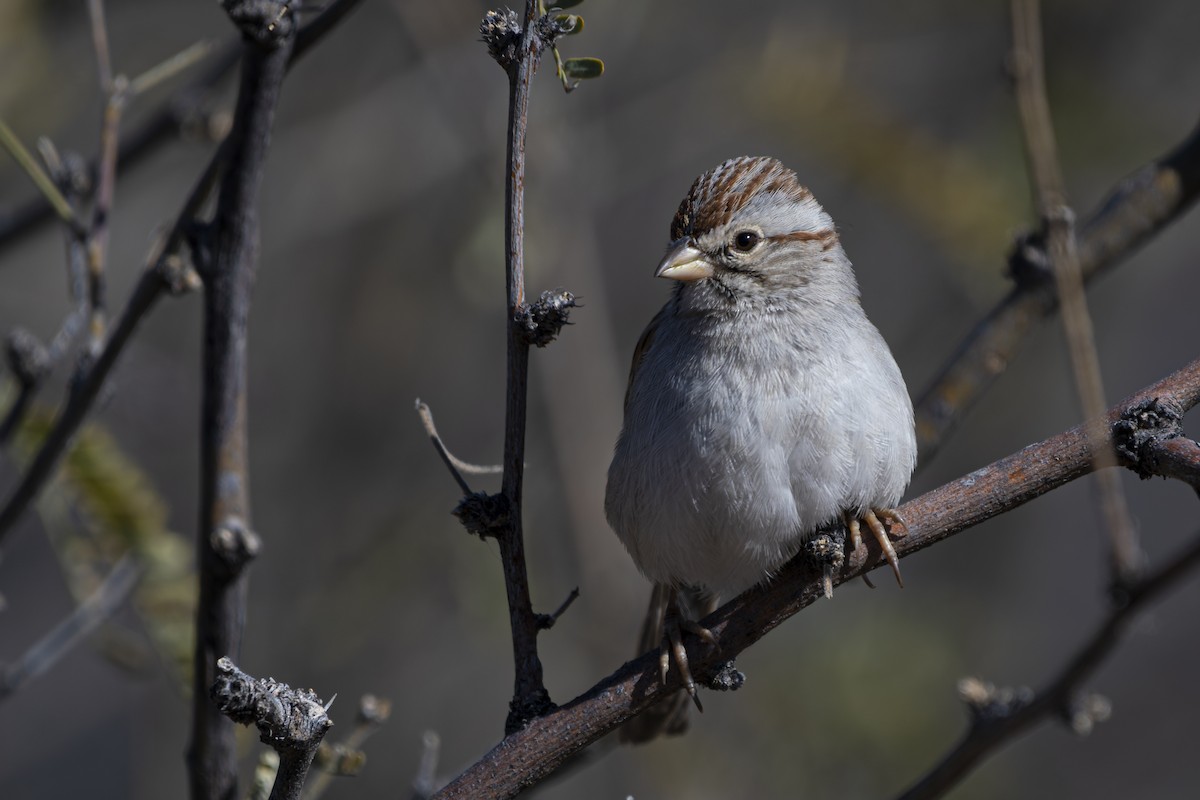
pixel 381 281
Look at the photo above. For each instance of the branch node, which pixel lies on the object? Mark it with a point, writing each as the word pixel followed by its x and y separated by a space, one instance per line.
pixel 373 710
pixel 199 238
pixel 501 32
pixel 1028 263
pixel 425 782
pixel 546 621
pixel 524 708
pixel 988 703
pixel 68 169
pixel 1084 712
pixel 288 720
pixel 27 358
pixel 727 678
pixel 828 551
pixel 267 23
pixel 483 514
pixel 234 545
pixel 1140 428
pixel 539 324
pixel 178 276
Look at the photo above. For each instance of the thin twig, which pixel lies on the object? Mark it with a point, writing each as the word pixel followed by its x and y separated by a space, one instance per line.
pixel 1133 212
pixel 110 130
pixel 50 196
pixel 373 712
pixel 1058 224
pixel 546 621
pixel 528 756
pixel 29 363
pixel 100 44
pixel 425 782
pixel 89 614
pixel 67 175
pixel 993 725
pixel 456 465
pixel 162 125
pixel 169 68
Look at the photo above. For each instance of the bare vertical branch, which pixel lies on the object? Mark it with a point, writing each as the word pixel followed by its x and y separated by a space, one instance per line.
pixel 1058 221
pixel 227 259
pixel 110 126
pixel 517 46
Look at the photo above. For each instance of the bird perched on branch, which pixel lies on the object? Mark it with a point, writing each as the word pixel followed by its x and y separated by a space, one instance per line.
pixel 762 405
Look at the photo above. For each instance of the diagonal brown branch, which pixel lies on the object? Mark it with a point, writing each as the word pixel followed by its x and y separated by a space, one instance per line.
pixel 526 757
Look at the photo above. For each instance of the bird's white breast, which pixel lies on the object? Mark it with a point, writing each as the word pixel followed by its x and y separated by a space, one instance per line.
pixel 743 436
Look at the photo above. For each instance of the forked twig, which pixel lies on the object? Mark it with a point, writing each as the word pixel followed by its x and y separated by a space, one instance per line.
pixel 994 723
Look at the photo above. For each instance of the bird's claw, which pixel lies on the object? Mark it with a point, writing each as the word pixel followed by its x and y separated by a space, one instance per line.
pixel 874 519
pixel 672 649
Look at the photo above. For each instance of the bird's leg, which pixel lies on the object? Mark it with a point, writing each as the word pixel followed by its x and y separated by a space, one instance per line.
pixel 874 519
pixel 674 624
pixel 669 715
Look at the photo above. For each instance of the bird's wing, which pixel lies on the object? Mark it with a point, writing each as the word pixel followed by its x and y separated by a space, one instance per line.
pixel 642 349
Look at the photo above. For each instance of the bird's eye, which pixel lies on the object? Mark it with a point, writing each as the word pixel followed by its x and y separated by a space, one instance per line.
pixel 745 241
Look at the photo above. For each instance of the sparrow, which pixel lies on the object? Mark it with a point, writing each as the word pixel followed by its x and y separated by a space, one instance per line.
pixel 762 405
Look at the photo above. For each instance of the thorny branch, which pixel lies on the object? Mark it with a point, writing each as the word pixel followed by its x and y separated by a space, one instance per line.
pixel 291 721
pixel 1058 226
pixel 529 755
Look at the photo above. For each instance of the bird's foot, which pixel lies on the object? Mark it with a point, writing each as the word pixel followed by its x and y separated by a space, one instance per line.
pixel 674 626
pixel 874 518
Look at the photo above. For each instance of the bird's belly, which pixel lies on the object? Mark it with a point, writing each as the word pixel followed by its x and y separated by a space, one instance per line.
pixel 715 505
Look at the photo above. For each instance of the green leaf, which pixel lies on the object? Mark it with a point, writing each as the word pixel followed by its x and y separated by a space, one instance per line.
pixel 583 68
pixel 569 24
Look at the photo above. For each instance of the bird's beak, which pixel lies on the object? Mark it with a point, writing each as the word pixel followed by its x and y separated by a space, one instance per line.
pixel 684 263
